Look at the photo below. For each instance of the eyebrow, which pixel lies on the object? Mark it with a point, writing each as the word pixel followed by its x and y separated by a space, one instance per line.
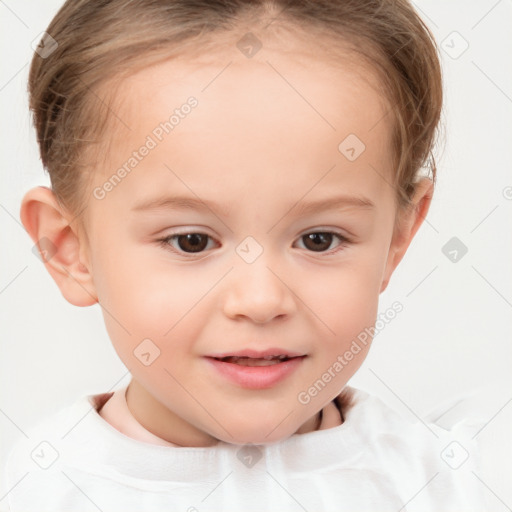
pixel 300 209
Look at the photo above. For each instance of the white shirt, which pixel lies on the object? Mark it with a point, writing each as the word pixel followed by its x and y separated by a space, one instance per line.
pixel 375 461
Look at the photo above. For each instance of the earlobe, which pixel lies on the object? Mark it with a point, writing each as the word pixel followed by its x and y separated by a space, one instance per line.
pixel 48 224
pixel 410 222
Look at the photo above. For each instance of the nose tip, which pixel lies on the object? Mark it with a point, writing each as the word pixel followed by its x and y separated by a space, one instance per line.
pixel 261 319
pixel 256 292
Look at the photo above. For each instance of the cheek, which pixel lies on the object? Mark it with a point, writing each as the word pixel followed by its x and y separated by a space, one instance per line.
pixel 141 301
pixel 345 299
pixel 345 302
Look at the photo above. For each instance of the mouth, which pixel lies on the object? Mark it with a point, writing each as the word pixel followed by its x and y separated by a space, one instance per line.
pixel 255 369
pixel 255 361
pixel 248 357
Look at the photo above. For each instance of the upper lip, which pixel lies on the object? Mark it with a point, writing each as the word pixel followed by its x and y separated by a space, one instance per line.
pixel 257 354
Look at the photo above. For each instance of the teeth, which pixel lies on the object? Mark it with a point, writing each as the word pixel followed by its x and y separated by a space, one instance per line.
pixel 251 361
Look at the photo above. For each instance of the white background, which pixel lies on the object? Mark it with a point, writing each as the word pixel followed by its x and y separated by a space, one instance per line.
pixel 454 334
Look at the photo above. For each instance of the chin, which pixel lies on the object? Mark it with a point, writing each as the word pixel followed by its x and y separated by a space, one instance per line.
pixel 257 432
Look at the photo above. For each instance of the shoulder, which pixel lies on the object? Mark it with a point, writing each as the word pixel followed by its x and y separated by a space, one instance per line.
pixel 36 458
pixel 485 415
pixel 438 453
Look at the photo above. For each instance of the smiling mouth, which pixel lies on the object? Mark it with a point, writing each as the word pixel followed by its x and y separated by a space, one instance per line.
pixel 255 361
pixel 252 369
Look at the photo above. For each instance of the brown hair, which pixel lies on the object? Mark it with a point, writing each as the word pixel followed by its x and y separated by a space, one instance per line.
pixel 103 39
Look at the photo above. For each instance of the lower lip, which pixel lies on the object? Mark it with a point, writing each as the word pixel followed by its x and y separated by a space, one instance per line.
pixel 256 377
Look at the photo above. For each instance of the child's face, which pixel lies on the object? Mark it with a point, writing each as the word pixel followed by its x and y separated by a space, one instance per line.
pixel 258 148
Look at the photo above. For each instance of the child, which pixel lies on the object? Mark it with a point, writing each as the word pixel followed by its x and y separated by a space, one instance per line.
pixel 234 182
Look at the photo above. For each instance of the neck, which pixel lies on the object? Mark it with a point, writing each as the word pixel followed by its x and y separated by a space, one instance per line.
pixel 165 424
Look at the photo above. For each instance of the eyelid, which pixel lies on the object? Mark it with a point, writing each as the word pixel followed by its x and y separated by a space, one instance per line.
pixel 326 229
pixel 344 240
pixel 164 241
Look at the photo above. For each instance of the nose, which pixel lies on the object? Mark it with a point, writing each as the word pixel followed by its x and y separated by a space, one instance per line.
pixel 257 292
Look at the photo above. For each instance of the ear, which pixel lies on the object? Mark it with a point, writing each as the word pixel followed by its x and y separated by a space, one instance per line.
pixel 49 226
pixel 407 225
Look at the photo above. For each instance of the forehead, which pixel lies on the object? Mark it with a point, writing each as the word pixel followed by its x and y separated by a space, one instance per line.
pixel 329 85
pixel 269 120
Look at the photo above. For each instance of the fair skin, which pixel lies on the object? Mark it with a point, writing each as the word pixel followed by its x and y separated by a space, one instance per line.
pixel 255 147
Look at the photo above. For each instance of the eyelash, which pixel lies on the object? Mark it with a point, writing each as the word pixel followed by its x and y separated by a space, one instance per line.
pixel 165 242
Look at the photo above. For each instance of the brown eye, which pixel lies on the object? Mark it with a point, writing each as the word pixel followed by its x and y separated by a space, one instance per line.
pixel 318 241
pixel 192 242
pixel 185 243
pixel 321 241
